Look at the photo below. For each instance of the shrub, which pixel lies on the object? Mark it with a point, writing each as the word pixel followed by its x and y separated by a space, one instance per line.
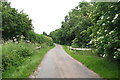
pixel 38 38
pixel 75 43
pixel 13 54
pixel 48 40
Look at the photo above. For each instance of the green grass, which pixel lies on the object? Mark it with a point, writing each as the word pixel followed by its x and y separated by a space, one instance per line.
pixel 103 67
pixel 28 64
pixel 0 61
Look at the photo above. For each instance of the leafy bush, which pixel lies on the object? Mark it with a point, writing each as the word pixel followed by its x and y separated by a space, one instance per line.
pixel 75 43
pixel 48 40
pixel 13 54
pixel 24 52
pixel 38 38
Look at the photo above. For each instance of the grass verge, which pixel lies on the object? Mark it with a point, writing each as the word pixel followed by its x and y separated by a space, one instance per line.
pixel 103 67
pixel 0 61
pixel 28 65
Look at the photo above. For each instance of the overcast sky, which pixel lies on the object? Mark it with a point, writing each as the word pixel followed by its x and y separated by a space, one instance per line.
pixel 47 15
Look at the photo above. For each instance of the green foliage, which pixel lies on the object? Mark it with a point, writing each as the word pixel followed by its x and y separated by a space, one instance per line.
pixel 19 60
pixel 56 36
pixel 99 65
pixel 106 30
pixel 17 24
pixel 74 26
pixel 14 23
pixel 34 37
pixel 44 33
pixel 21 42
pixel 93 25
pixel 13 54
pixel 48 40
pixel 38 38
pixel 74 43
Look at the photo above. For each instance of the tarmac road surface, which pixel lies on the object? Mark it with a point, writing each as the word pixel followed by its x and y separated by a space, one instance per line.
pixel 58 64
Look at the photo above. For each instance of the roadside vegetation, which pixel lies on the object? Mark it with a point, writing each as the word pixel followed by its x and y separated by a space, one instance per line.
pixel 22 48
pixel 103 67
pixel 93 25
pixel 89 25
pixel 19 60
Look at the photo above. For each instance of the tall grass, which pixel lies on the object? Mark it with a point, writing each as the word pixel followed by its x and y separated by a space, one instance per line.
pixel 19 60
pixel 105 68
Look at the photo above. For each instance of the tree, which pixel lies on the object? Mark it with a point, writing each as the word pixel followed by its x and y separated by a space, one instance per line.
pixel 74 26
pixel 106 30
pixel 92 25
pixel 44 33
pixel 14 24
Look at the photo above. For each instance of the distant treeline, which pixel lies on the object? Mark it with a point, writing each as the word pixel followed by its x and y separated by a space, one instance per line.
pixel 95 25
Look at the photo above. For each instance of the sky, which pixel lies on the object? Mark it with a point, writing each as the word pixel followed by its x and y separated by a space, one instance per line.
pixel 47 15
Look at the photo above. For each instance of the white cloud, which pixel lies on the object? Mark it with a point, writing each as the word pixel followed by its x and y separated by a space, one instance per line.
pixel 46 14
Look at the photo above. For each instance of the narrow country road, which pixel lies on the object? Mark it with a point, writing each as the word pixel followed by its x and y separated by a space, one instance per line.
pixel 58 64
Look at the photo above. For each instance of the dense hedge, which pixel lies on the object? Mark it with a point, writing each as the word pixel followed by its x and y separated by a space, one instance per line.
pixel 39 38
